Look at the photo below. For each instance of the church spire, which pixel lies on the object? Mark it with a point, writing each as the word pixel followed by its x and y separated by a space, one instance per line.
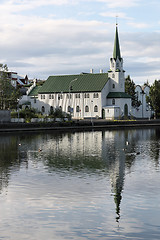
pixel 116 51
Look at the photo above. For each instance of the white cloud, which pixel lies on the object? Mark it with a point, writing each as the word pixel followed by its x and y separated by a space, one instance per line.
pixel 122 3
pixel 139 25
pixel 52 44
pixel 114 14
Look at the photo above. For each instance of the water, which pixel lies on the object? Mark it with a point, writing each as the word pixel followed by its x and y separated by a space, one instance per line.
pixel 84 185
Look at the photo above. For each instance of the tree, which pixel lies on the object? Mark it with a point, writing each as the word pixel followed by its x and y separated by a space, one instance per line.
pixel 8 94
pixel 154 98
pixel 130 89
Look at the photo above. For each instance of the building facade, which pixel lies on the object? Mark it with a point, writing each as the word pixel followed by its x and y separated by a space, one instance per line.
pixel 100 95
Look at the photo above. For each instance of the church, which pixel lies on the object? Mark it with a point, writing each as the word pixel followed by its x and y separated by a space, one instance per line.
pixel 86 95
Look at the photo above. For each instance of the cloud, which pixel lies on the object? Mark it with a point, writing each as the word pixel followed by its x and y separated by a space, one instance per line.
pixel 112 14
pixel 44 44
pixel 121 4
pixel 139 25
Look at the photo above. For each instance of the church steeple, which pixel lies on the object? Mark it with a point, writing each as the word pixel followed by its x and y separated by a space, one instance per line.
pixel 116 51
pixel 116 72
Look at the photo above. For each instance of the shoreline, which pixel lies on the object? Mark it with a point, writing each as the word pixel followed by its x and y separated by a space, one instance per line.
pixel 82 125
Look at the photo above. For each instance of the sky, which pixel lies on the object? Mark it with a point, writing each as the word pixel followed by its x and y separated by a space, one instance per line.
pixel 53 37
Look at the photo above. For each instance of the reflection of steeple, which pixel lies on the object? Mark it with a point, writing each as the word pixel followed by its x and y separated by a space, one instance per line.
pixel 118 197
pixel 115 164
pixel 117 180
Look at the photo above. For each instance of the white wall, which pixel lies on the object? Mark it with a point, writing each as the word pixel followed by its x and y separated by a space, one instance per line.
pixel 62 100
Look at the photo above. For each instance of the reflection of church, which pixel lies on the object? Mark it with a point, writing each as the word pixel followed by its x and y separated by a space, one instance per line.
pixel 92 151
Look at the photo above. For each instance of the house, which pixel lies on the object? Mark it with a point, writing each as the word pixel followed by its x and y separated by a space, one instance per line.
pixel 87 95
pixel 144 110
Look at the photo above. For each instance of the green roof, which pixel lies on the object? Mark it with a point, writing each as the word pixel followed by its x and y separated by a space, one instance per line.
pixel 79 83
pixel 34 91
pixel 118 95
pixel 116 51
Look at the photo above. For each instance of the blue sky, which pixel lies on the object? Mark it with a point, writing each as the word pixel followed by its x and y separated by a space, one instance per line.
pixel 47 37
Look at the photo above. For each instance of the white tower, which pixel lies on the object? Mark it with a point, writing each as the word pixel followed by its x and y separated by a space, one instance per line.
pixel 116 72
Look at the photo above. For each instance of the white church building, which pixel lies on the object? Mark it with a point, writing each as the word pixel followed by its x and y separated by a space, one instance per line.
pixel 89 95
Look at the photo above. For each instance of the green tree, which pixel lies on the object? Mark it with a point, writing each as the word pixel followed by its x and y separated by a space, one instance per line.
pixel 8 94
pixel 130 89
pixel 154 98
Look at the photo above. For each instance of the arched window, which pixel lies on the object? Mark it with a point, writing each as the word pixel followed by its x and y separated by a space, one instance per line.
pixel 95 108
pixel 95 95
pixel 113 76
pixel 86 95
pixel 51 109
pixel 113 85
pixel 86 108
pixel 77 109
pixel 43 109
pixel 77 95
pixel 113 101
pixel 69 108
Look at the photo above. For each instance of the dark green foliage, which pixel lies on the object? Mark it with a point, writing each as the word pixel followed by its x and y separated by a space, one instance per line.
pixel 154 98
pixel 130 89
pixel 57 113
pixel 8 94
pixel 27 114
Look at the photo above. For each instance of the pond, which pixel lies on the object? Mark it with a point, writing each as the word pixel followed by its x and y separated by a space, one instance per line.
pixel 80 185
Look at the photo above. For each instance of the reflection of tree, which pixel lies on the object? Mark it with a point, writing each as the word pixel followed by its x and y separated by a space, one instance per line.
pixel 8 158
pixel 155 146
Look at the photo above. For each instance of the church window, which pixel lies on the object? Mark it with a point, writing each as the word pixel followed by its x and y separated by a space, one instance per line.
pixel 77 95
pixel 113 85
pixel 69 108
pixel 52 96
pixel 77 109
pixel 113 64
pixel 43 109
pixel 113 101
pixel 51 109
pixel 113 76
pixel 34 100
pixel 95 95
pixel 60 96
pixel 86 108
pixel 86 95
pixel 95 108
pixel 49 96
pixel 69 95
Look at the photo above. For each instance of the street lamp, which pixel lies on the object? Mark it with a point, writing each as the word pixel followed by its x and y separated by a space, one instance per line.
pixel 70 89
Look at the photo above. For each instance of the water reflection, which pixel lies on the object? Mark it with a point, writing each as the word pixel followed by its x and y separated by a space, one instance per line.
pixel 93 156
